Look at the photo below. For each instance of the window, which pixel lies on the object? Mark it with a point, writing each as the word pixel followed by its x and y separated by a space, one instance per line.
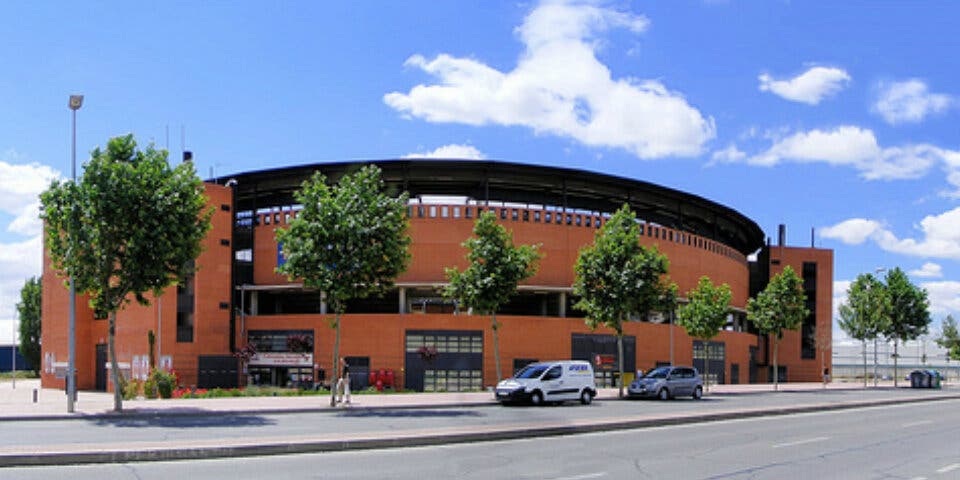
pixel 185 327
pixel 579 220
pixel 536 216
pixel 548 217
pixel 420 211
pixel 569 219
pixel 433 211
pixel 456 212
pixel 514 215
pixel 266 219
pixel 553 373
pixel 503 214
pixel 444 211
pixel 467 212
pixel 526 215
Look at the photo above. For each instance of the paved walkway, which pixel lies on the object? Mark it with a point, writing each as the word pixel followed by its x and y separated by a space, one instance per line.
pixel 18 404
pixel 28 401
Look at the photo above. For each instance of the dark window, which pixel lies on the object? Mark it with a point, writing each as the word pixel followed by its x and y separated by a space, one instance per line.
pixel 536 216
pixel 526 215
pixel 224 305
pixel 420 211
pixel 224 207
pixel 225 242
pixel 467 212
pixel 514 215
pixel 579 220
pixel 503 214
pixel 185 327
pixel 808 331
pixel 553 373
pixel 548 217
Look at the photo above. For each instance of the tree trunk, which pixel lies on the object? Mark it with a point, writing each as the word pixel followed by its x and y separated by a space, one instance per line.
pixel 620 361
pixel 896 357
pixel 864 363
pixel 114 367
pixel 336 364
pixel 496 345
pixel 776 370
pixel 706 365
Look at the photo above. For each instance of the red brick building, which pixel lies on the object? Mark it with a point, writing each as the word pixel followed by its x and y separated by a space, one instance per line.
pixel 236 297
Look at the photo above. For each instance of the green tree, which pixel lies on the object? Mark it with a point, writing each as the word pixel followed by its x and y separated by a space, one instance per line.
pixel 348 242
pixel 705 314
pixel 617 278
pixel 780 306
pixel 865 314
pixel 949 338
pixel 909 313
pixel 496 268
pixel 29 311
pixel 131 226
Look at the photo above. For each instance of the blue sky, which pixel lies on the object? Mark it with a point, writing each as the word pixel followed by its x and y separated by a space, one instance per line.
pixel 838 116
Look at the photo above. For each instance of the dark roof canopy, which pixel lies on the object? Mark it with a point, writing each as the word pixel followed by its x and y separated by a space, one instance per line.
pixel 512 182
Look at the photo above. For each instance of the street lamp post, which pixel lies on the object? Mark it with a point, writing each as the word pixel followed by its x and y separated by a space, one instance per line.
pixel 76 101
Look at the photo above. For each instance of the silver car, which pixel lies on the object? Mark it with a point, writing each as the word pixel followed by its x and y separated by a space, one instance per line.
pixel 668 382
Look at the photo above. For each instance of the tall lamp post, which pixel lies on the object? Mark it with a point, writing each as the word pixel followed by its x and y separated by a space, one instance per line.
pixel 76 101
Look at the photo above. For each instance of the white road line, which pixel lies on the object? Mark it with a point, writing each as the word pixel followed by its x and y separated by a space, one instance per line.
pixel 583 477
pixel 916 424
pixel 949 468
pixel 919 478
pixel 801 442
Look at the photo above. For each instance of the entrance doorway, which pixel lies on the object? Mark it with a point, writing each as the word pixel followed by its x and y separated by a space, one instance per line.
pixel 100 369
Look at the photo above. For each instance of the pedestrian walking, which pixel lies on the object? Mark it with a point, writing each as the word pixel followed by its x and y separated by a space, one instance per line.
pixel 343 384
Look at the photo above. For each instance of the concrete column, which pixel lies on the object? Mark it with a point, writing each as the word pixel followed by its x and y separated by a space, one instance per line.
pixel 403 300
pixel 563 304
pixel 254 303
pixel 323 303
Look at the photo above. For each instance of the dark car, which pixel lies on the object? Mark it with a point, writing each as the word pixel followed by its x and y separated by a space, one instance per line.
pixel 668 382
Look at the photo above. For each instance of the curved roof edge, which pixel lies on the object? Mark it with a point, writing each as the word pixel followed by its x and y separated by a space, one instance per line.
pixel 521 183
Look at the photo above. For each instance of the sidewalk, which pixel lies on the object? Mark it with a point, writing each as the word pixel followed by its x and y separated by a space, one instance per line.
pixel 18 403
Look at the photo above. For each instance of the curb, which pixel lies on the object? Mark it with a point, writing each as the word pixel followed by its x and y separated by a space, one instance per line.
pixel 416 440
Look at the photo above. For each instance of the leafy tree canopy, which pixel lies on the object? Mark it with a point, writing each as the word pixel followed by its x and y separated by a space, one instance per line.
pixel 950 338
pixel 780 306
pixel 131 225
pixel 866 313
pixel 616 277
pixel 496 267
pixel 350 240
pixel 28 308
pixel 909 308
pixel 706 311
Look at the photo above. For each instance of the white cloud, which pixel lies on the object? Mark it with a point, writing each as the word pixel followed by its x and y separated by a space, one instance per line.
pixel 857 148
pixel 853 231
pixel 730 154
pixel 941 236
pixel 928 270
pixel 20 188
pixel 452 151
pixel 909 102
pixel 560 87
pixel 809 87
pixel 18 261
pixel 944 297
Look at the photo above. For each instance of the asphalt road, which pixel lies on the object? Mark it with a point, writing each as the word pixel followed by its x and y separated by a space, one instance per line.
pixel 280 426
pixel 910 441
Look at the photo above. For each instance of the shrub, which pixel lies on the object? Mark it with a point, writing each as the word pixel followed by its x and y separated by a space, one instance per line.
pixel 165 381
pixel 150 387
pixel 131 388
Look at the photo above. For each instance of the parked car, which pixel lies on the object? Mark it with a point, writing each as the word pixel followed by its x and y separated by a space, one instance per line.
pixel 542 382
pixel 668 382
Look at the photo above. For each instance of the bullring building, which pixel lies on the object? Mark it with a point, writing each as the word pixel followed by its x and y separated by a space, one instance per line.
pixel 236 297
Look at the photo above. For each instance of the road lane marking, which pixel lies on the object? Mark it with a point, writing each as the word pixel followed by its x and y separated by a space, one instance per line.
pixel 583 477
pixel 949 468
pixel 916 424
pixel 919 478
pixel 801 442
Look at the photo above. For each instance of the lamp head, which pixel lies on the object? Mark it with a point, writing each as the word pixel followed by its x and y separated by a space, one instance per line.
pixel 76 101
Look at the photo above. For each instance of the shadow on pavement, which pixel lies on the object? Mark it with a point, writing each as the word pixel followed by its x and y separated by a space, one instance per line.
pixel 187 418
pixel 413 413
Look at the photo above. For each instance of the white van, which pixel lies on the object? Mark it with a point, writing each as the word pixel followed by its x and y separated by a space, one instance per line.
pixel 549 382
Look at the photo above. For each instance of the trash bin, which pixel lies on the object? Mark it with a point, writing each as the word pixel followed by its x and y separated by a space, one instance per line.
pixel 916 379
pixel 934 378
